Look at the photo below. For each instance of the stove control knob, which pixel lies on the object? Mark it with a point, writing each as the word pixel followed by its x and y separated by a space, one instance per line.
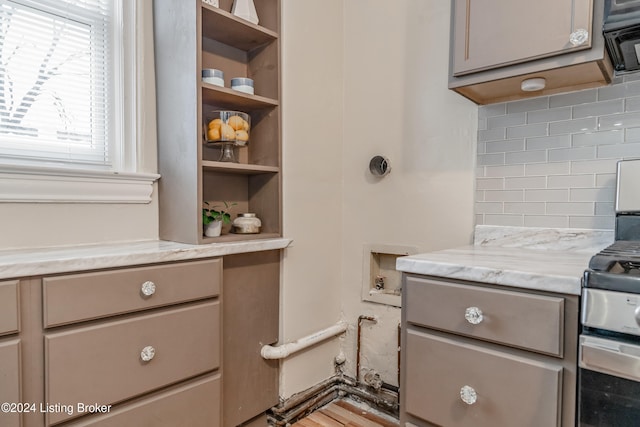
pixel 637 314
pixel 473 315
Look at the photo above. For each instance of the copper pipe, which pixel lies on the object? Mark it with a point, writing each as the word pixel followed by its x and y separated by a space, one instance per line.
pixel 360 319
pixel 399 351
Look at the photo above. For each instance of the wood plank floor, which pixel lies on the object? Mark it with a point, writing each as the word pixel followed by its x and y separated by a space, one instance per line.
pixel 340 414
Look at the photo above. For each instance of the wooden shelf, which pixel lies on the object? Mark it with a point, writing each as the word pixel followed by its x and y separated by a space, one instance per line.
pixel 226 28
pixel 239 168
pixel 230 237
pixel 229 98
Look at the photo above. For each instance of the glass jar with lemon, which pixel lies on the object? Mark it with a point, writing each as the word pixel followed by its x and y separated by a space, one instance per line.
pixel 227 130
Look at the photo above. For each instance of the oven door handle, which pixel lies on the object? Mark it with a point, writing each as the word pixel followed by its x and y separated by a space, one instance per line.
pixel 610 357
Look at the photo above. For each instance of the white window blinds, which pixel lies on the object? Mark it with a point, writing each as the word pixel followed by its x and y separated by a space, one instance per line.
pixel 55 95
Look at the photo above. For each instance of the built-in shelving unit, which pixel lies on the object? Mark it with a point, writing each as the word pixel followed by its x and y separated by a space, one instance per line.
pixel 191 36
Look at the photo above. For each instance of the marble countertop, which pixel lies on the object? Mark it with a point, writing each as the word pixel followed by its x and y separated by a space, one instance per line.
pixel 21 263
pixel 550 260
pixel 553 271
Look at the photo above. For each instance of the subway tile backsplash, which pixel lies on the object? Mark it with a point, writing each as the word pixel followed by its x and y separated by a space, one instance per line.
pixel 551 161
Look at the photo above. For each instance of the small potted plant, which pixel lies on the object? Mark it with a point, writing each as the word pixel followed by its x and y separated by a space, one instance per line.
pixel 214 217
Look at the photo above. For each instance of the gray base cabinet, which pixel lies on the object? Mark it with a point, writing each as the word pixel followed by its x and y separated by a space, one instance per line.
pixel 129 341
pixel 480 355
pixel 147 346
pixel 9 351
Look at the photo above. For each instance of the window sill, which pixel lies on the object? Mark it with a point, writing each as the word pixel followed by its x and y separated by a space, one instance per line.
pixel 23 184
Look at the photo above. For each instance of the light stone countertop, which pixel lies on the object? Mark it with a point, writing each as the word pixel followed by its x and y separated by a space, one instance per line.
pixel 552 260
pixel 21 263
pixel 553 271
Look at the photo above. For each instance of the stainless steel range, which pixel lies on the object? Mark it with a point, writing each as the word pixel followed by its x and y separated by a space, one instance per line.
pixel 609 354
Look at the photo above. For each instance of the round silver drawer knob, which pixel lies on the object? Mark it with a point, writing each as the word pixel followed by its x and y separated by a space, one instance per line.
pixel 579 37
pixel 468 395
pixel 148 288
pixel 147 353
pixel 473 315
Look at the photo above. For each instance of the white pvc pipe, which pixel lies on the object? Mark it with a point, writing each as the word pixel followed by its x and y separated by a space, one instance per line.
pixel 284 350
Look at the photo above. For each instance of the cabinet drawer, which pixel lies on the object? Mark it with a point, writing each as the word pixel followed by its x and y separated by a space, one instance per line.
pixel 194 405
pixel 528 321
pixel 103 363
pixel 10 381
pixel 9 307
pixel 105 293
pixel 511 390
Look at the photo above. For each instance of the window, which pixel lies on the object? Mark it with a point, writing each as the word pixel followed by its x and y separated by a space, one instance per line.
pixel 63 81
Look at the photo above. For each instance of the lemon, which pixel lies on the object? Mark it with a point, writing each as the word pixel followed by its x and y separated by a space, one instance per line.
pixel 236 122
pixel 227 133
pixel 242 135
pixel 215 124
pixel 213 134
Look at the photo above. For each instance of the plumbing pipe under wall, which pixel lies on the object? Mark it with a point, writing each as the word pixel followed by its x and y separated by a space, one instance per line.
pixel 360 319
pixel 292 409
pixel 358 343
pixel 284 350
pixel 399 347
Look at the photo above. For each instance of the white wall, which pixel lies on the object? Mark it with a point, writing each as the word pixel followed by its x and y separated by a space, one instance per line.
pixel 312 142
pixel 394 102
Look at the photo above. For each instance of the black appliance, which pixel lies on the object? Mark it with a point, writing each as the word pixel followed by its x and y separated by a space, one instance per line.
pixel 609 352
pixel 621 30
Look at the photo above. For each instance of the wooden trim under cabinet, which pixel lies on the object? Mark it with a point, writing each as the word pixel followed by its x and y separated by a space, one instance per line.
pixel 565 79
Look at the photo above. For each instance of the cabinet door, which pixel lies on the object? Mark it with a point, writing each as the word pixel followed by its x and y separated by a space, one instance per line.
pixel 250 320
pixel 493 33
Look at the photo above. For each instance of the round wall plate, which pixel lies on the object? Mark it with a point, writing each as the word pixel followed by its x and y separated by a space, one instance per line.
pixel 379 166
